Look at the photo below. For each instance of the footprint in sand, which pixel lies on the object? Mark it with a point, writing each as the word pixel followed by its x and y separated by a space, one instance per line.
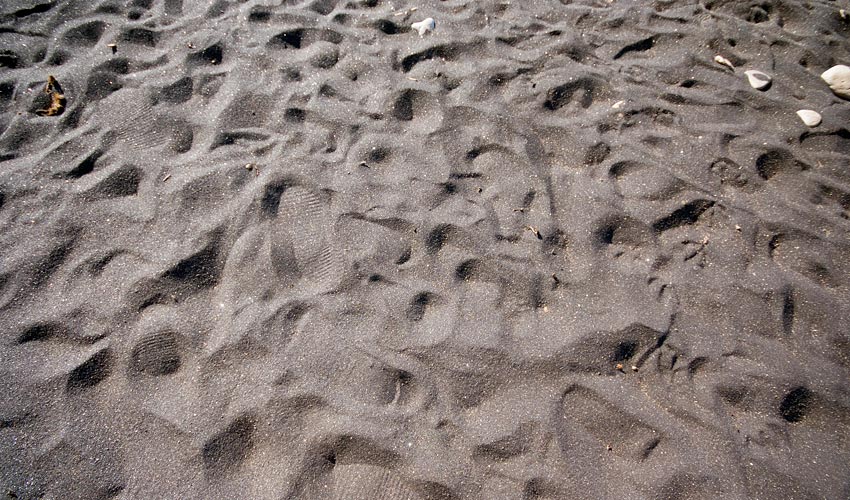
pixel 288 259
pixel 302 243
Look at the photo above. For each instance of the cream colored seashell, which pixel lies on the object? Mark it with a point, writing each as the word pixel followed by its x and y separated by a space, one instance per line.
pixel 726 62
pixel 838 79
pixel 424 26
pixel 809 117
pixel 758 80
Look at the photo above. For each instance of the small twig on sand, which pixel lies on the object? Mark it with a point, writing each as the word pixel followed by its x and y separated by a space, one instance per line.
pixel 535 231
pixel 406 11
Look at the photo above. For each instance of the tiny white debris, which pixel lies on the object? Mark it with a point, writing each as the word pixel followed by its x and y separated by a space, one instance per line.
pixel 406 12
pixel 809 117
pixel 842 13
pixel 424 26
pixel 618 104
pixel 722 60
pixel 838 79
pixel 757 79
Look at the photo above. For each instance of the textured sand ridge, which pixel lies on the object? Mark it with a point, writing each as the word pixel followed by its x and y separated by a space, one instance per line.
pixel 546 249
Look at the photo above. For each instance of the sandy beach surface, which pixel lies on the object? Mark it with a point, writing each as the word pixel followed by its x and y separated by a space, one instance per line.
pixel 265 249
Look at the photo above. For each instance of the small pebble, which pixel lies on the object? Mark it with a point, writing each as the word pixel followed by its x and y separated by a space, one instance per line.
pixel 758 80
pixel 838 79
pixel 424 26
pixel 809 117
pixel 726 62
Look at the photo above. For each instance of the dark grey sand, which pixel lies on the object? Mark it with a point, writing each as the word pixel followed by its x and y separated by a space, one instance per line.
pixel 296 251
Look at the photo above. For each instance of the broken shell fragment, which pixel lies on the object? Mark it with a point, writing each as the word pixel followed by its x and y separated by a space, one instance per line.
pixel 726 62
pixel 838 79
pixel 758 80
pixel 424 26
pixel 809 117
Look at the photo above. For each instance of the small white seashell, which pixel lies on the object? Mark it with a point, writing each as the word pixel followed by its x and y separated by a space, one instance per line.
pixel 809 117
pixel 424 26
pixel 838 79
pixel 722 60
pixel 758 80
